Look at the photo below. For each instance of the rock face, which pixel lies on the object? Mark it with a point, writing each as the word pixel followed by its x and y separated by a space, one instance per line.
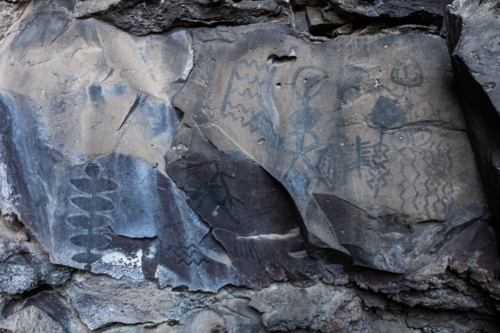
pixel 141 17
pixel 10 11
pixel 241 170
pixel 374 136
pixel 412 10
pixel 23 322
pixel 24 265
pixel 476 61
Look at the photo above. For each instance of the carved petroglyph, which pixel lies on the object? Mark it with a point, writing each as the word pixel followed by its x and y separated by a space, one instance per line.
pixel 331 165
pixel 217 192
pixel 243 100
pixel 346 153
pixel 94 205
pixel 250 109
pixel 246 250
pixel 308 82
pixel 407 72
pixel 423 165
pixel 186 255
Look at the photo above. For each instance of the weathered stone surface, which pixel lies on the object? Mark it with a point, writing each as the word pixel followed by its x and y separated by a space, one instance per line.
pixel 370 143
pixel 86 172
pixel 93 186
pixel 473 35
pixel 23 263
pixel 31 320
pixel 250 213
pixel 341 309
pixel 370 137
pixel 420 10
pixel 282 160
pixel 51 304
pixel 100 301
pixel 330 308
pixel 143 17
pixel 10 11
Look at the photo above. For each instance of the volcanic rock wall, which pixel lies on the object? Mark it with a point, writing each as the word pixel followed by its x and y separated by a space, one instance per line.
pixel 249 166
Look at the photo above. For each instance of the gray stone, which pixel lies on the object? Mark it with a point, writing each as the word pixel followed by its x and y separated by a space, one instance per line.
pixel 416 10
pixel 449 322
pixel 31 320
pixel 10 11
pixel 472 30
pixel 370 144
pixel 147 328
pixel 141 18
pixel 250 213
pixel 334 178
pixel 23 263
pixel 328 308
pixel 92 184
pixel 103 200
pixel 52 304
pixel 100 301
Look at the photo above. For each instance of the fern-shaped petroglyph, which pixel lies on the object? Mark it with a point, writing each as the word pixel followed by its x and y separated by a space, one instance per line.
pixel 218 193
pixel 94 205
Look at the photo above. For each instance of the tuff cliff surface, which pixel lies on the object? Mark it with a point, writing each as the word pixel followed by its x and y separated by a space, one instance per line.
pixel 249 166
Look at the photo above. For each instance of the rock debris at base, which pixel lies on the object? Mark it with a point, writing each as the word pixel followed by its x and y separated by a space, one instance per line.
pixel 249 166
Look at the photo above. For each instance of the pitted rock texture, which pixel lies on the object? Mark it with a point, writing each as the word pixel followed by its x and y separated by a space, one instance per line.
pixel 31 320
pixel 24 265
pixel 104 304
pixel 313 18
pixel 143 17
pixel 473 36
pixel 418 10
pixel 10 12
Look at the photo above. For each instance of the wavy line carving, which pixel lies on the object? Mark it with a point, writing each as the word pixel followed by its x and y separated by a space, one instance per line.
pixel 187 255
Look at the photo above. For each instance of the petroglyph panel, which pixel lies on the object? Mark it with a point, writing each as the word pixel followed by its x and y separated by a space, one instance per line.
pixel 251 214
pixel 353 147
pixel 372 122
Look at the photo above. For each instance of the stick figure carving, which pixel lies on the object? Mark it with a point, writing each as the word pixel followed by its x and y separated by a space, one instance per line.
pixel 308 82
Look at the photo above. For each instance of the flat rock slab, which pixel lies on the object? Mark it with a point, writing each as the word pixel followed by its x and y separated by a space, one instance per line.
pixel 251 214
pixel 365 134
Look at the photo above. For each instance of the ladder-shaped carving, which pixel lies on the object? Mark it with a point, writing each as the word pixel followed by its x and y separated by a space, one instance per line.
pixel 94 205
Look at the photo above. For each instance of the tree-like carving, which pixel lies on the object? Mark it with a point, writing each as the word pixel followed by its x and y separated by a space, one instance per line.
pixel 95 206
